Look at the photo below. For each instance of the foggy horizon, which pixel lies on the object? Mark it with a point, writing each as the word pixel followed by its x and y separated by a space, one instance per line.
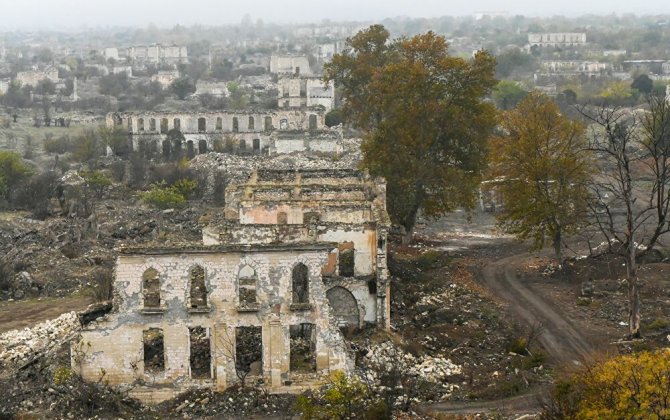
pixel 75 15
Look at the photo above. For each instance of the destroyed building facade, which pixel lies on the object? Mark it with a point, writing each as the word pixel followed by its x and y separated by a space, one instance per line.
pixel 247 131
pixel 295 256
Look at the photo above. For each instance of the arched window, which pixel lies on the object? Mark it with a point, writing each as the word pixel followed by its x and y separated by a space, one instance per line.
pixel 236 125
pixel 202 125
pixel 300 284
pixel 164 125
pixel 219 123
pixel 151 288
pixel 140 124
pixel 246 289
pixel 251 124
pixel 268 123
pixel 177 124
pixel 152 124
pixel 198 287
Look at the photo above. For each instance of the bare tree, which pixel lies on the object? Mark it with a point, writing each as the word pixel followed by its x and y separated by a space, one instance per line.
pixel 632 194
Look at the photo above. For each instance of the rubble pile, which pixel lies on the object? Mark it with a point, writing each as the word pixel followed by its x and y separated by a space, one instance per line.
pixel 20 346
pixel 238 168
pixel 386 356
pixel 233 403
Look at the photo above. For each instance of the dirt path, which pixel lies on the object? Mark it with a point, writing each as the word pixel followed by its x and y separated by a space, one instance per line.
pixel 560 336
pixel 27 313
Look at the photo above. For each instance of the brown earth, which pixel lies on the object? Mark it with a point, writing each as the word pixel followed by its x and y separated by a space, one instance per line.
pixel 26 313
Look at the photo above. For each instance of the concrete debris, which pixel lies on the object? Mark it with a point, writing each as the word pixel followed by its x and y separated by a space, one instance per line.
pixel 20 346
pixel 238 168
pixel 387 357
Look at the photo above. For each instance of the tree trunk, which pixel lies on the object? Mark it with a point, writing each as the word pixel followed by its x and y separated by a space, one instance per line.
pixel 633 290
pixel 409 224
pixel 407 236
pixel 557 247
pixel 634 308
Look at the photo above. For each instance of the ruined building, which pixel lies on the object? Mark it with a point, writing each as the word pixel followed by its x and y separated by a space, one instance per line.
pixel 247 131
pixel 294 256
pixel 301 92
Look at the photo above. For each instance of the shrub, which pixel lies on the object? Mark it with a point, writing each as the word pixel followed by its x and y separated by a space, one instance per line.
pixel 163 197
pixel 97 181
pixel 185 187
pixel 344 398
pixel 518 346
pixel 58 145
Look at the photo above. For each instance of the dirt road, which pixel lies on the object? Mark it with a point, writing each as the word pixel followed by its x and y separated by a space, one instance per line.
pixel 560 336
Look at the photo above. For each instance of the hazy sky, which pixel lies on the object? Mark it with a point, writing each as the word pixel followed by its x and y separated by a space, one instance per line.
pixel 31 14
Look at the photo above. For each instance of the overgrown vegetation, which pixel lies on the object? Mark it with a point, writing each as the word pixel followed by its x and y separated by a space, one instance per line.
pixel 631 387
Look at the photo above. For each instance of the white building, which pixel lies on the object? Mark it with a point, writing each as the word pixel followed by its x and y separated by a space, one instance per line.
pixel 290 64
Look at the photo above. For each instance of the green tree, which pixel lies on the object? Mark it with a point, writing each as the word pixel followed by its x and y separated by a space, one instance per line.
pixel 116 139
pixel 97 181
pixel 507 94
pixel 540 155
pixel 13 172
pixel 424 117
pixel 182 87
pixel 163 197
pixel 643 84
pixel 333 118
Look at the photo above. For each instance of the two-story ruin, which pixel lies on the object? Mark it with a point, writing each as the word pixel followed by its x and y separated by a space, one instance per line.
pixel 294 256
pixel 247 131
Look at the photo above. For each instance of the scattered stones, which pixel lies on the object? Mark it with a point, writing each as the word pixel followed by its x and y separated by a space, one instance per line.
pixel 20 346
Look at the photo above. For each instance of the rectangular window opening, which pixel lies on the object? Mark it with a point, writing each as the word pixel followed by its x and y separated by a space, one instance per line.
pixel 201 355
pixel 248 351
pixel 154 350
pixel 303 348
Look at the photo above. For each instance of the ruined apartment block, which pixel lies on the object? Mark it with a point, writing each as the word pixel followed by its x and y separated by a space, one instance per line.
pixel 297 255
pixel 250 131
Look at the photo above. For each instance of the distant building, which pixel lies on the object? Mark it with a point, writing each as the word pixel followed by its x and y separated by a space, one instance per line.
pixel 290 64
pixel 4 86
pixel 158 53
pixel 165 77
pixel 611 53
pixel 110 53
pixel 33 77
pixel 128 70
pixel 218 89
pixel 562 39
pixel 298 92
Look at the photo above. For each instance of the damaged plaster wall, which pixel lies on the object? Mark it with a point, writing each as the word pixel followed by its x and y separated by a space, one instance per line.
pixel 116 343
pixel 346 207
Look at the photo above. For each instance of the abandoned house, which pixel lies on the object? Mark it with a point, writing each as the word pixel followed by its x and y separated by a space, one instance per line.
pixel 243 132
pixel 298 255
